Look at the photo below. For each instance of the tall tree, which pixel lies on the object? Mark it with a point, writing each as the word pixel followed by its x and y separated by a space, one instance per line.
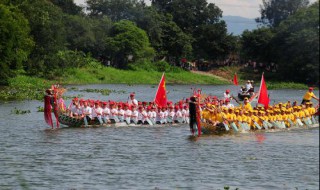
pixel 126 40
pixel 274 11
pixel 68 6
pixel 15 41
pixel 256 44
pixel 165 35
pixel 48 31
pixel 297 45
pixel 116 10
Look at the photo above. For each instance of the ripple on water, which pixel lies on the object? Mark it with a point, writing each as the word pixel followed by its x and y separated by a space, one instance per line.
pixel 148 158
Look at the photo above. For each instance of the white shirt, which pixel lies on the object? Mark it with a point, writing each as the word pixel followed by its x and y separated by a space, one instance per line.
pixel 133 102
pixel 96 112
pixel 127 114
pixel 106 112
pixel 114 112
pixel 87 111
pixel 135 114
pixel 226 96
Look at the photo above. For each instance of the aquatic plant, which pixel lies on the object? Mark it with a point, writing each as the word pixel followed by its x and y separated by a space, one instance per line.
pixel 19 112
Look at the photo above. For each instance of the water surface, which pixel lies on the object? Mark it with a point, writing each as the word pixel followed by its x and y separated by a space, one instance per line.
pixel 33 157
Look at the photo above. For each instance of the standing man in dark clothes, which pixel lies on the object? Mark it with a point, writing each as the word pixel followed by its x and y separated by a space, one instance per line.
pixel 193 114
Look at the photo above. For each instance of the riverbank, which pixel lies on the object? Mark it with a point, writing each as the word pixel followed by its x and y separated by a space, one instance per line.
pixel 31 88
pixel 245 74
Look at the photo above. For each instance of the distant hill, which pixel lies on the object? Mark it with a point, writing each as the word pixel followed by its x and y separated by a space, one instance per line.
pixel 237 24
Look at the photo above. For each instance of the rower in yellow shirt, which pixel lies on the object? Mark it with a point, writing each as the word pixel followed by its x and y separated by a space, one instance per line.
pixel 308 96
pixel 246 106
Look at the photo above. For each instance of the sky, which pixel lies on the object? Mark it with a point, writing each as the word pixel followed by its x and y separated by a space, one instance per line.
pixel 243 8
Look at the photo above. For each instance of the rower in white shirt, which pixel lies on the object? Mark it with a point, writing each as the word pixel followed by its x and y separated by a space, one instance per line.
pixel 105 112
pixel 127 114
pixel 87 113
pixel 178 115
pixel 97 112
pixel 134 115
pixel 113 112
pixel 120 113
pixel 171 114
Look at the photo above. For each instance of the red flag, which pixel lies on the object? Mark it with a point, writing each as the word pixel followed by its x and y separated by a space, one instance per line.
pixel 161 95
pixel 235 79
pixel 263 93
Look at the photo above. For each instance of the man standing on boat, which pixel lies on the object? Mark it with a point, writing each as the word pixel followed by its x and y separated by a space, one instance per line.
pixel 308 96
pixel 132 101
pixel 193 114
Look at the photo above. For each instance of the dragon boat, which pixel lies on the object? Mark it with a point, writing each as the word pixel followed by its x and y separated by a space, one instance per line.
pixel 221 129
pixel 79 122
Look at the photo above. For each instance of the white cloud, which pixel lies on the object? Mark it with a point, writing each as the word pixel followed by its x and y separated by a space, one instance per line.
pixel 243 8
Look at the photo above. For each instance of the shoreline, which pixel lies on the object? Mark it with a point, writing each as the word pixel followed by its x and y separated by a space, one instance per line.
pixel 31 88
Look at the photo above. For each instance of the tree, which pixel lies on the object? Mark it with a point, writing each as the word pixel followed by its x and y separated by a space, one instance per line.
pixel 212 42
pixel 297 45
pixel 126 40
pixel 165 35
pixel 116 10
pixel 274 11
pixel 190 14
pixel 48 31
pixel 15 42
pixel 68 6
pixel 256 44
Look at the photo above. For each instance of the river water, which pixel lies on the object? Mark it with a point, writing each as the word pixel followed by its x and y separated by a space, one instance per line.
pixel 33 157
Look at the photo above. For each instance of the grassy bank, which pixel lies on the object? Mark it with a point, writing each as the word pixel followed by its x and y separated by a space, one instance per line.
pixel 109 75
pixel 245 74
pixel 25 87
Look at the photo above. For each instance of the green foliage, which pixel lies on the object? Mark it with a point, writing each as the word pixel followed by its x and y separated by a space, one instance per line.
pixel 15 42
pixel 273 12
pixel 256 44
pixel 128 40
pixel 19 112
pixel 297 46
pixel 24 87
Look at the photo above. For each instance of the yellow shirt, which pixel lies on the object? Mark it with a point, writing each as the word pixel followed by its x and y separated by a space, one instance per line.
pixel 302 114
pixel 239 118
pixel 247 107
pixel 219 117
pixel 231 116
pixel 308 95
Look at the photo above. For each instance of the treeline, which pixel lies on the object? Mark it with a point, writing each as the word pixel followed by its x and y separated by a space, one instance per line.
pixel 288 37
pixel 45 37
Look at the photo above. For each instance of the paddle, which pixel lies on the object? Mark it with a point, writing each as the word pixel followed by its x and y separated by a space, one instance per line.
pixel 257 125
pixel 149 122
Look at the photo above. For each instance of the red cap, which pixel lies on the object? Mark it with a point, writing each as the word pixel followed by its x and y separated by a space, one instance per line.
pixel 104 103
pixel 227 91
pixel 149 108
pixel 132 94
pixel 227 100
pixel 310 88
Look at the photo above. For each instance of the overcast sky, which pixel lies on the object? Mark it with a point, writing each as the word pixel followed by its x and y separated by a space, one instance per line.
pixel 243 8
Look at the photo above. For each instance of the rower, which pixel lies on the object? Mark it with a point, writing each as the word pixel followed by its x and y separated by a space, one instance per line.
pixel 87 113
pixel 247 106
pixel 308 96
pixel 105 112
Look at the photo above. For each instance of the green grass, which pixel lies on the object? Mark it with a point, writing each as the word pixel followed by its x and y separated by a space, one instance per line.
pixel 26 87
pixel 109 75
